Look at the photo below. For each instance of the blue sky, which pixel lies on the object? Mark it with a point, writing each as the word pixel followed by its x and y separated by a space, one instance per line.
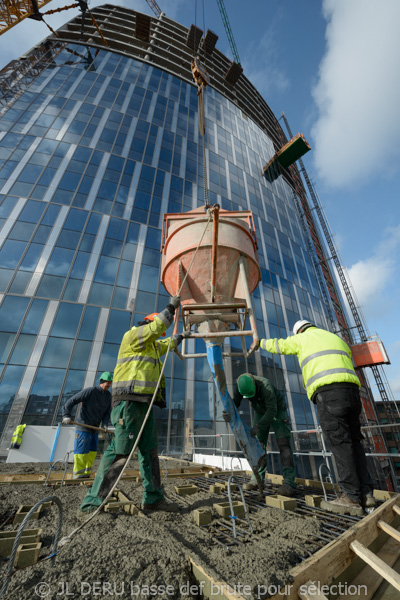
pixel 333 67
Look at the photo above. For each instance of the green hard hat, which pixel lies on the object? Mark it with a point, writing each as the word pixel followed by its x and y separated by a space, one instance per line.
pixel 106 376
pixel 246 385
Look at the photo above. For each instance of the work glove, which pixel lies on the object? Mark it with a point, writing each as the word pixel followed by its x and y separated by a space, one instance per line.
pixel 226 416
pixel 178 337
pixel 173 304
pixel 66 420
pixel 175 301
pixel 254 430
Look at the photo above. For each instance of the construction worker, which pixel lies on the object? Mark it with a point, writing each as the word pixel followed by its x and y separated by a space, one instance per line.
pixel 95 409
pixel 332 384
pixel 269 410
pixel 16 439
pixel 136 376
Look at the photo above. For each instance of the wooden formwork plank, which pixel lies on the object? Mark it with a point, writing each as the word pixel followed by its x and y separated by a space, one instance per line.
pixel 368 581
pixel 376 563
pixel 212 589
pixel 390 530
pixel 327 564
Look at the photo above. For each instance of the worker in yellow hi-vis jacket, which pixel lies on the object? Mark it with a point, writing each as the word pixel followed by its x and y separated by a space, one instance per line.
pixel 136 376
pixel 332 384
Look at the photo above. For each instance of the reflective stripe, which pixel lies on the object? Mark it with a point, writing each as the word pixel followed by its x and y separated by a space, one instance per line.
pixel 154 361
pixel 80 470
pixel 322 353
pixel 278 350
pixel 329 372
pixel 135 382
pixel 140 337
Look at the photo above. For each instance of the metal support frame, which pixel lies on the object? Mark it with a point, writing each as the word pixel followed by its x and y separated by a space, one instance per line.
pixel 193 314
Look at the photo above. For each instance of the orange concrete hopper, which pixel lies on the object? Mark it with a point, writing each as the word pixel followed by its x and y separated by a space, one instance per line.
pixel 220 275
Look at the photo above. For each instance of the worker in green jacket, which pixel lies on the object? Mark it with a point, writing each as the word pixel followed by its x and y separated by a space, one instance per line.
pixel 269 410
pixel 332 384
pixel 135 379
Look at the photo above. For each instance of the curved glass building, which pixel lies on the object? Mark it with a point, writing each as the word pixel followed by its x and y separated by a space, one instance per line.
pixel 96 143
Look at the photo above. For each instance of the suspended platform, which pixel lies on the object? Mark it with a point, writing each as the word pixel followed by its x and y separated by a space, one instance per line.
pixel 286 156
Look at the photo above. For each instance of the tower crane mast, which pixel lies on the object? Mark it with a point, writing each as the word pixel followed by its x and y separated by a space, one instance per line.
pixel 228 30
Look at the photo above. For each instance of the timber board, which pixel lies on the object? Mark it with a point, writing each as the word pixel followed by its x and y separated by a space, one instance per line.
pixel 328 563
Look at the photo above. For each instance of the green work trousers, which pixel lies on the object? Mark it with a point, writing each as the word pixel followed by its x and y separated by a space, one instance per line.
pixel 127 418
pixel 281 428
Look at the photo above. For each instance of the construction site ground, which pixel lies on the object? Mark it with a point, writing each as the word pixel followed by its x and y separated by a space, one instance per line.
pixel 158 555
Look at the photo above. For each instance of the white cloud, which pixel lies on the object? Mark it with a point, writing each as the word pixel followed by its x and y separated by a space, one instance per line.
pixel 373 279
pixel 357 94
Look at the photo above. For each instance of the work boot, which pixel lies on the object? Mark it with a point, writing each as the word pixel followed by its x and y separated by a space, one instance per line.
pixel 163 505
pixel 368 501
pixel 286 490
pixel 343 505
pixel 252 485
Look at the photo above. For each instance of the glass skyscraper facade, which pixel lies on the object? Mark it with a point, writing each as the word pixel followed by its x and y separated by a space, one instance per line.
pixel 95 146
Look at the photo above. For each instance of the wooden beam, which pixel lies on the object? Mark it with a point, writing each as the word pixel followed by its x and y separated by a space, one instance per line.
pixel 390 530
pixel 329 562
pixel 376 563
pixel 396 509
pixel 368 581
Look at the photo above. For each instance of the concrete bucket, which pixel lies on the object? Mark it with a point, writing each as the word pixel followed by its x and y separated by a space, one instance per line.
pixel 216 250
pixel 209 257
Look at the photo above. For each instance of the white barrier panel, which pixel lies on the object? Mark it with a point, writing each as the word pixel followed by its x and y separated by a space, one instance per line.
pixel 38 443
pixel 223 462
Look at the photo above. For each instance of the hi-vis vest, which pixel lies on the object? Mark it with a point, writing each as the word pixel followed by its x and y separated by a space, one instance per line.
pixel 324 357
pixel 16 439
pixel 138 366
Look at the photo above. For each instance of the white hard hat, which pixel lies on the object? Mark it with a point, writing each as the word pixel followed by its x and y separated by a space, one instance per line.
pixel 300 324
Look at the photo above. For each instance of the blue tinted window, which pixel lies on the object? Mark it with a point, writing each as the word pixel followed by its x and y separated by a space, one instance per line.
pixel 76 219
pixel 9 386
pixel 100 294
pixel 67 320
pixel 35 316
pixel 89 323
pixel 133 232
pixel 153 239
pixel 6 341
pixel 12 312
pixel 60 261
pixel 7 205
pixel 68 239
pixel 106 270
pixel 51 214
pixel 31 257
pixel 44 394
pixel 94 222
pixel 22 231
pixel 22 350
pixel 80 264
pixel 148 281
pixel 57 353
pixel 108 358
pixel 80 355
pixel 116 229
pixel 32 211
pixel 10 253
pixel 50 286
pixel 118 324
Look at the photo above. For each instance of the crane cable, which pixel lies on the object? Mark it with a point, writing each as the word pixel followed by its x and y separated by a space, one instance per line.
pixel 68 538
